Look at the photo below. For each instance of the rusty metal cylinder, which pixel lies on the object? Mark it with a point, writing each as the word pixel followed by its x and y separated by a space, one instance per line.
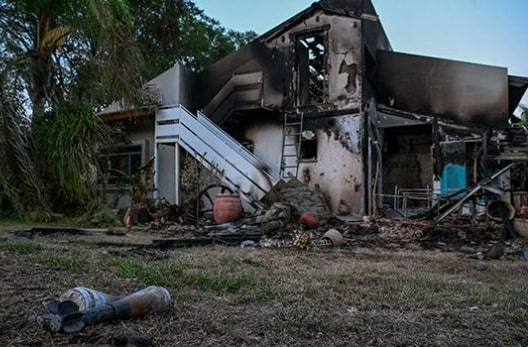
pixel 152 299
pixel 227 208
pixel 87 298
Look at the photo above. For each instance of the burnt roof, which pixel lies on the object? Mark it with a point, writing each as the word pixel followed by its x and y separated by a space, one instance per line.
pixel 353 8
pixel 349 6
pixel 456 90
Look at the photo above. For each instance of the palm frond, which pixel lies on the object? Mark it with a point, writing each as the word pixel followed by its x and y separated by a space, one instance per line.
pixel 20 184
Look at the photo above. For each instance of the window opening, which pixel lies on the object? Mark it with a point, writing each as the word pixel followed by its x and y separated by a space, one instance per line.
pixel 119 163
pixel 311 68
pixel 308 150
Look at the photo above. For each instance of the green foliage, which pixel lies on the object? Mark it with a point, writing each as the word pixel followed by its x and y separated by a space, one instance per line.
pixel 177 31
pixel 63 60
pixel 70 50
pixel 67 142
pixel 20 184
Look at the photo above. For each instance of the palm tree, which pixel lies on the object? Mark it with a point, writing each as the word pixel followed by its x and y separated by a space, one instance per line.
pixel 59 61
pixel 20 184
pixel 62 60
pixel 54 45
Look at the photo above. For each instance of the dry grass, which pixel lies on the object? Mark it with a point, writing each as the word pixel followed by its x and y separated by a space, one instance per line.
pixel 228 296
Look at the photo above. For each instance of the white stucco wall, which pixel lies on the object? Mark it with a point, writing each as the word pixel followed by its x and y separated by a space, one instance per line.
pixel 267 141
pixel 173 87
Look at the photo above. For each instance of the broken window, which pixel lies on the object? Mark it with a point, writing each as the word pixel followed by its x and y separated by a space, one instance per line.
pixel 118 163
pixel 310 59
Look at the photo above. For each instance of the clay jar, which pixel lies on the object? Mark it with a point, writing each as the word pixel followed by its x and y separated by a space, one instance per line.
pixel 308 220
pixel 227 208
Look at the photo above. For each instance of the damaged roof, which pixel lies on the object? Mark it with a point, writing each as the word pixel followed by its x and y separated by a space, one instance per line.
pixel 460 91
pixel 354 8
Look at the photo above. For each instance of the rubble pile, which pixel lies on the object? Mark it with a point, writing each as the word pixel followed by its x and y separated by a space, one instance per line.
pixel 301 197
pixel 294 215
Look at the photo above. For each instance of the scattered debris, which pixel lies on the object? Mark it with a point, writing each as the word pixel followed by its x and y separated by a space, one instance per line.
pixel 298 216
pixel 44 231
pixel 524 252
pixel 495 251
pixel 521 226
pixel 334 236
pixel 448 205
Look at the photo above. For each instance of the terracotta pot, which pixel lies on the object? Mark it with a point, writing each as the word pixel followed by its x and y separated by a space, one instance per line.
pixel 308 220
pixel 334 236
pixel 521 226
pixel 227 208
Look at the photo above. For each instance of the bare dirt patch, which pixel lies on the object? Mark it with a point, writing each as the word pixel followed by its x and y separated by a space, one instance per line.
pixel 352 296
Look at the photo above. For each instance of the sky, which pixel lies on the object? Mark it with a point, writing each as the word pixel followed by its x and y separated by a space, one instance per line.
pixel 488 32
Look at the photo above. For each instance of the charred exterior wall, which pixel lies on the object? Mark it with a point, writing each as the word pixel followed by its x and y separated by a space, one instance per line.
pixel 314 64
pixel 336 121
pixel 464 92
pixel 343 61
pixel 338 167
pixel 252 59
pixel 374 39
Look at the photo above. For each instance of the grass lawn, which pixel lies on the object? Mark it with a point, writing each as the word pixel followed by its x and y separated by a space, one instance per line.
pixel 231 296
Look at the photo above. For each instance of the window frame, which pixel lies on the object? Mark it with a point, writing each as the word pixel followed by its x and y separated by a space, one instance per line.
pixel 117 151
pixel 303 95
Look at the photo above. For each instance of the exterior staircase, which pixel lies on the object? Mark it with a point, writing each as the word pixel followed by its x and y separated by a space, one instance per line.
pixel 243 91
pixel 236 167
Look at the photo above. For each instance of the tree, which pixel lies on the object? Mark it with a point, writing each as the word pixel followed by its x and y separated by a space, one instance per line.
pixel 53 45
pixel 177 31
pixel 61 61
pixel 20 184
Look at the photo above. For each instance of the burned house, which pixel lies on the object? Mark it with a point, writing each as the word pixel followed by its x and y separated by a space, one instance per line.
pixel 322 97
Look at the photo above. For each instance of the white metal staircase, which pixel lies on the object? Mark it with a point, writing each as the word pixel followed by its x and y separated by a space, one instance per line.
pixel 237 167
